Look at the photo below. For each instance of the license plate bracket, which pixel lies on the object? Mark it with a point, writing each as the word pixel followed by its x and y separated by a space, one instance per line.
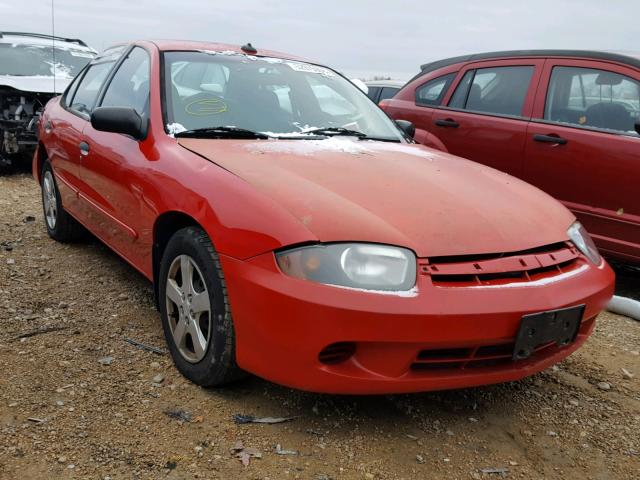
pixel 559 326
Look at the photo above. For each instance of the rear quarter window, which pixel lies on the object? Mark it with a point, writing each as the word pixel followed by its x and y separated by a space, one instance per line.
pixel 434 91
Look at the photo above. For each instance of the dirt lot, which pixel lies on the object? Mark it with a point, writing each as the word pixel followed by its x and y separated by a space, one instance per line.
pixel 80 402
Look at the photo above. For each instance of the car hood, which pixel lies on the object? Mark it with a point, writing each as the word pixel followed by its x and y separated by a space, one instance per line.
pixel 36 84
pixel 437 204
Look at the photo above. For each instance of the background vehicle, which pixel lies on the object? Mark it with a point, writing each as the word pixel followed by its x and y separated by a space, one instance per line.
pixel 565 121
pixel 334 256
pixel 33 68
pixel 383 89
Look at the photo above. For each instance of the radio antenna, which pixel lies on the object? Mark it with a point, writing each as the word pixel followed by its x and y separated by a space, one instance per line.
pixel 53 44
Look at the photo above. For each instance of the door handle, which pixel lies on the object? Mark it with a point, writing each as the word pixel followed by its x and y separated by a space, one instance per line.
pixel 84 149
pixel 553 138
pixel 447 123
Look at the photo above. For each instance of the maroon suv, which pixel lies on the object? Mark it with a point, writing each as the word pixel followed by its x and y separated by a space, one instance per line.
pixel 565 121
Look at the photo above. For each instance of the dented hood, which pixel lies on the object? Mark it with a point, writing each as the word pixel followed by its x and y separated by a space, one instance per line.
pixel 344 189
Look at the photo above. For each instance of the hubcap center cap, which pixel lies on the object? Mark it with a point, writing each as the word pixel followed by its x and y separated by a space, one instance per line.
pixel 186 309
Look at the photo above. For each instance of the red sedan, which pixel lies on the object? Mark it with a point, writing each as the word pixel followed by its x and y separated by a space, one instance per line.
pixel 292 230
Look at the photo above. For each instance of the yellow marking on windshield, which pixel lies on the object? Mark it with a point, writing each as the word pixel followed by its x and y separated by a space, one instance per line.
pixel 210 106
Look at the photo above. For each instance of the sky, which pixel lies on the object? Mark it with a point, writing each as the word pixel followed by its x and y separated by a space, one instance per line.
pixel 357 37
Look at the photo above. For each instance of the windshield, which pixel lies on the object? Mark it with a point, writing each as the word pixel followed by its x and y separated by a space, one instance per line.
pixel 270 95
pixel 38 60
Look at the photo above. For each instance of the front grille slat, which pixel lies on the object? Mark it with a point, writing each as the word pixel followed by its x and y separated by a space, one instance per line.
pixel 498 269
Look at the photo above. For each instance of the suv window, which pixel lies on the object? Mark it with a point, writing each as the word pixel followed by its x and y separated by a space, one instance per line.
pixel 590 97
pixel 373 93
pixel 459 97
pixel 388 92
pixel 88 88
pixel 432 92
pixel 497 90
pixel 130 84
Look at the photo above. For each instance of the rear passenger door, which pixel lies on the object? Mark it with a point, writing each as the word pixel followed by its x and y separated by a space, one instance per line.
pixel 486 114
pixel 67 131
pixel 582 147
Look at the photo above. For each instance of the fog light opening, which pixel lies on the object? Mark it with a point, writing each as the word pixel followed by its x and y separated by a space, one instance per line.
pixel 337 353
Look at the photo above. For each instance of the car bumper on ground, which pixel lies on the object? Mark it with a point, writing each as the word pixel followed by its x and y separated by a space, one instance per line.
pixel 334 340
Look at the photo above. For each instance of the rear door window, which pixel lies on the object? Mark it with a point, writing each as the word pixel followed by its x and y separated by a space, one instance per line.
pixel 87 92
pixel 588 97
pixel 433 92
pixel 459 97
pixel 495 90
pixel 71 91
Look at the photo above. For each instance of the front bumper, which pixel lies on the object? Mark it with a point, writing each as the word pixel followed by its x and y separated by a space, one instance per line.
pixel 282 324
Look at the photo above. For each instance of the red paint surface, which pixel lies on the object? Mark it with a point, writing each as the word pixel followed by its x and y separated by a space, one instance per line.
pixel 253 197
pixel 595 174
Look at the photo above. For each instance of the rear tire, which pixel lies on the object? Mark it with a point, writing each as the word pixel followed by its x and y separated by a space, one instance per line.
pixel 61 226
pixel 195 312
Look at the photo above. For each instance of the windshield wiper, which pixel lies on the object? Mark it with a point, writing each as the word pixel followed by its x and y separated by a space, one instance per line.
pixel 222 132
pixel 334 131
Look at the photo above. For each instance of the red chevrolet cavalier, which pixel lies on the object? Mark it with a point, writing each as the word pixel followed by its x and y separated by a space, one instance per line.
pixel 292 230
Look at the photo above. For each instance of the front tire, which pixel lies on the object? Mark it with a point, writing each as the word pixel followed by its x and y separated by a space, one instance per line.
pixel 195 312
pixel 61 226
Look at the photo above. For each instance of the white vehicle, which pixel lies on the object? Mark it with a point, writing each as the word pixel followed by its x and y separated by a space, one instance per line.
pixel 383 89
pixel 33 69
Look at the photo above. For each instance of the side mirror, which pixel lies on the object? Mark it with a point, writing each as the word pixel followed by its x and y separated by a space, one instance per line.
pixel 637 125
pixel 407 127
pixel 119 120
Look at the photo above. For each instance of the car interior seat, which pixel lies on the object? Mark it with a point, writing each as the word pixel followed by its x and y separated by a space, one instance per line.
pixel 609 115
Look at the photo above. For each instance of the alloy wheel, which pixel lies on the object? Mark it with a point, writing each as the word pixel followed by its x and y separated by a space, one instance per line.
pixel 188 308
pixel 50 200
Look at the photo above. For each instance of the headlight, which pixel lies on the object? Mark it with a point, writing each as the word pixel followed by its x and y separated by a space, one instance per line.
pixel 355 265
pixel 582 240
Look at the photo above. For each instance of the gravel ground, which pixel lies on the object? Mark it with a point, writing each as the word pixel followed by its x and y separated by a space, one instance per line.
pixel 78 401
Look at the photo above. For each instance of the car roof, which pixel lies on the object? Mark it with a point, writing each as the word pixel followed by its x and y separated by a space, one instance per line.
pixel 189 45
pixel 627 58
pixel 385 83
pixel 26 38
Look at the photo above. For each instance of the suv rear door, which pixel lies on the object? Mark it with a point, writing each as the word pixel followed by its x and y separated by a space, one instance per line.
pixel 582 148
pixel 486 114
